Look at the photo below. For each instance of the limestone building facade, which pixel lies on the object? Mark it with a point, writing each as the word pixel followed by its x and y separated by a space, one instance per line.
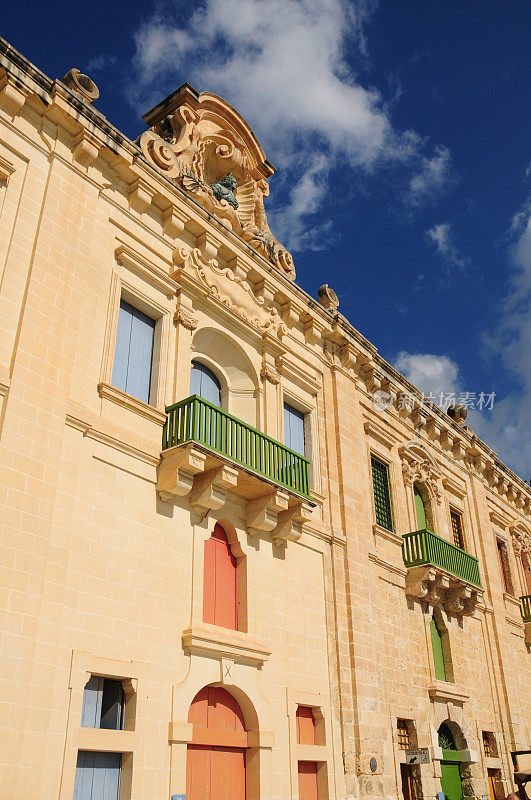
pixel 227 570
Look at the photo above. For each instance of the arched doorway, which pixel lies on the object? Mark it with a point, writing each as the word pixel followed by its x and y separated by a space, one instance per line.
pixel 215 766
pixel 451 783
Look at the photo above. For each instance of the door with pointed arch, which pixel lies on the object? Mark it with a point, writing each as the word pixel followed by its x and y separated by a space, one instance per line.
pixel 215 765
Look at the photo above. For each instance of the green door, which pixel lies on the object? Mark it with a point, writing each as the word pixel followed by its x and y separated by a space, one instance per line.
pixel 451 781
pixel 420 509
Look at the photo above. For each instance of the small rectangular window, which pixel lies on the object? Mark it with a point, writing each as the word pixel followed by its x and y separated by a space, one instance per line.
pixel 504 566
pixel 103 704
pixel 402 727
pixel 294 429
pixel 133 353
pixel 457 529
pixel 97 775
pixel 382 494
pixel 487 746
pixel 305 725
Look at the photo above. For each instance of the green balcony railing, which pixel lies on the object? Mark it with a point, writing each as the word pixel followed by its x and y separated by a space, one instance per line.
pixel 425 547
pixel 197 420
pixel 526 607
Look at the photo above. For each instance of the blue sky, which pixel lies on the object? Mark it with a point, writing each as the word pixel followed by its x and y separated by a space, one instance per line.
pixel 401 134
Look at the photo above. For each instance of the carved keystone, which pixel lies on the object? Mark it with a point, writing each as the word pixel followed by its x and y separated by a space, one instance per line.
pixel 262 513
pixel 209 489
pixel 176 472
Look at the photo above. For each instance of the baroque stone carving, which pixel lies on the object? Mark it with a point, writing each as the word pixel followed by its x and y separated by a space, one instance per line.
pixel 232 291
pixel 200 142
pixel 269 373
pixel 418 465
pixel 185 316
pixel 521 537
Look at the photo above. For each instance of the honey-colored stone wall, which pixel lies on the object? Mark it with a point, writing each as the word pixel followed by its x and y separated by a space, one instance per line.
pixel 101 572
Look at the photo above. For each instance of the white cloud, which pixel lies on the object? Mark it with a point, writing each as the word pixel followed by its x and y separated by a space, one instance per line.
pixel 430 373
pixel 507 428
pixel 282 64
pixel 433 175
pixel 100 62
pixel 440 236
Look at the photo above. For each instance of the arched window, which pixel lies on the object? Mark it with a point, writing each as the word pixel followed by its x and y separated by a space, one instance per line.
pixel 220 606
pixel 204 383
pixel 215 766
pixel 420 509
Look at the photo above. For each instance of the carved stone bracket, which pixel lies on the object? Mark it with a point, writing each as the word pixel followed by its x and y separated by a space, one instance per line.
pixel 176 472
pixel 434 585
pixel 231 291
pixel 185 316
pixel 269 373
pixel 209 489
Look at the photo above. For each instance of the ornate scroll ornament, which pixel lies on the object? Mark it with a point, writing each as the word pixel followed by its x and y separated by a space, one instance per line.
pixel 418 465
pixel 521 537
pixel 201 143
pixel 233 292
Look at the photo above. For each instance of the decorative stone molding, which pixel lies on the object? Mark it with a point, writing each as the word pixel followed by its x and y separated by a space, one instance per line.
pixel 418 465
pixel 231 291
pixel 433 585
pixel 204 638
pixel 200 142
pixel 186 317
pixel 448 693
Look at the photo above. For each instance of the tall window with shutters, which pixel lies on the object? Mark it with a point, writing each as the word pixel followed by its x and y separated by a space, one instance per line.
pixel 457 529
pixel 307 770
pixel 503 557
pixel 220 602
pixel 133 352
pixel 294 429
pixel 382 493
pixel 438 651
pixel 103 704
pixel 97 775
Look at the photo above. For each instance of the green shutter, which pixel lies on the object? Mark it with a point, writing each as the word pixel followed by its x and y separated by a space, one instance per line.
pixel 420 509
pixel 382 495
pixel 438 658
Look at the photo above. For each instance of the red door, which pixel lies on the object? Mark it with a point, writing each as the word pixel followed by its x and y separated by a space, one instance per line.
pixel 215 768
pixel 307 780
pixel 219 582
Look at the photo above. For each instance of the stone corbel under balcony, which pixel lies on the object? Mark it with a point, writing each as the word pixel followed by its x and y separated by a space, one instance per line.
pixel 272 513
pixel 205 476
pixel 434 585
pixel 527 633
